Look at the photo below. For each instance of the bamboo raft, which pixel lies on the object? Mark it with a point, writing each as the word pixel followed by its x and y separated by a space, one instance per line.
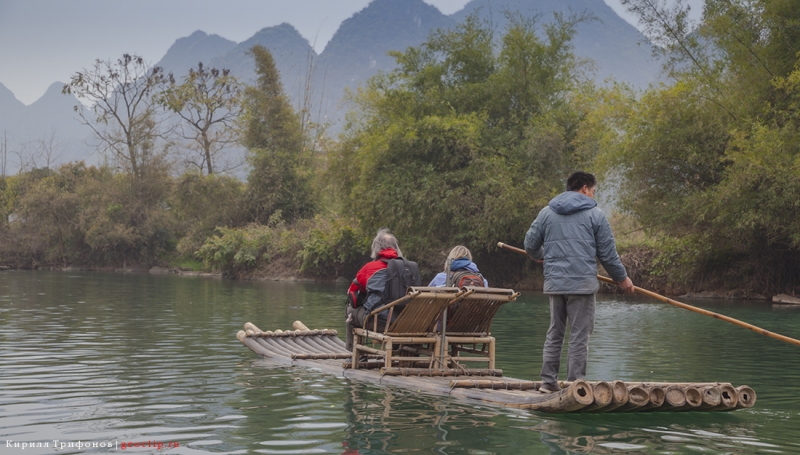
pixel 323 350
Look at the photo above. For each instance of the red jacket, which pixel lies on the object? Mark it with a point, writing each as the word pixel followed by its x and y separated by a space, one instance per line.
pixel 371 280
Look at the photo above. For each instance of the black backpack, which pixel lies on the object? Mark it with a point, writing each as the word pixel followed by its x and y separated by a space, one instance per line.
pixel 400 275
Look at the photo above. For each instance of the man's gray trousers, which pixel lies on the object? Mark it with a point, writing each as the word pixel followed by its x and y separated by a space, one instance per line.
pixel 578 310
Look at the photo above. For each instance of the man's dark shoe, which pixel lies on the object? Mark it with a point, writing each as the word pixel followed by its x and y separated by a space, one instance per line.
pixel 549 388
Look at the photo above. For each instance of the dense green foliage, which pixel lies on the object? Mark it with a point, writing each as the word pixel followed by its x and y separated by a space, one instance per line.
pixel 272 132
pixel 201 204
pixel 710 165
pixel 466 140
pixel 86 215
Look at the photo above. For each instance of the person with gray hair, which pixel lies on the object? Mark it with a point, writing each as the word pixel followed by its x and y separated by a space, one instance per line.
pixel 380 281
pixel 382 241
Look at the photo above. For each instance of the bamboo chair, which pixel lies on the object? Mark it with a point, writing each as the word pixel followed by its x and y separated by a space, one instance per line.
pixel 468 322
pixel 410 337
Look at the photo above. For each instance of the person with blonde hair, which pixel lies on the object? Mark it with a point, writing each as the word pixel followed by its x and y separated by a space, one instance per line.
pixel 460 262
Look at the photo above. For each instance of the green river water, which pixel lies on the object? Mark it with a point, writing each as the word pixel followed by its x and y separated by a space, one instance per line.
pixel 111 359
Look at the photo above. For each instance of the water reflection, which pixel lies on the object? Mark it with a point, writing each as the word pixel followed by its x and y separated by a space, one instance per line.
pixel 656 434
pixel 138 357
pixel 386 420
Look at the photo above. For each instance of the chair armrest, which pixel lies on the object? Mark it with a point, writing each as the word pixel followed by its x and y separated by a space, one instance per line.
pixel 408 296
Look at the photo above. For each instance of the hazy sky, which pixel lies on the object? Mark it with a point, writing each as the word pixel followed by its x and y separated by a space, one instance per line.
pixel 44 41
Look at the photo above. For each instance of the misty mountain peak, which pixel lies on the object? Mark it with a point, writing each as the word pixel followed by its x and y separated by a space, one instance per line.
pixel 7 99
pixel 382 26
pixel 276 38
pixel 54 99
pixel 186 52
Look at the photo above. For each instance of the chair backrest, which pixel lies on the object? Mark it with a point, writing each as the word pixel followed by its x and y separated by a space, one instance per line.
pixel 420 314
pixel 473 313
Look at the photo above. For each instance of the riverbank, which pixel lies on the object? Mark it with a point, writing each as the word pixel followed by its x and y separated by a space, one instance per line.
pixel 532 280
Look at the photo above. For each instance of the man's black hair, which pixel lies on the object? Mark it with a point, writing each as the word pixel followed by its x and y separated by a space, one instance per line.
pixel 578 179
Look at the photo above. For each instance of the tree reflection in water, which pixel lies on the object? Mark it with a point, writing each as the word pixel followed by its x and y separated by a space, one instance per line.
pixel 388 420
pixel 382 420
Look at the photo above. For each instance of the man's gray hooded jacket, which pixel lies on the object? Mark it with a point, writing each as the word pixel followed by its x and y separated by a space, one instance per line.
pixel 569 234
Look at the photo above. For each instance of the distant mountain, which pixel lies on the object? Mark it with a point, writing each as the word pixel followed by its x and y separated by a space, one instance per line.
pixel 10 108
pixel 186 52
pixel 290 50
pixel 359 48
pixel 52 102
pixel 618 49
pixel 50 117
pixel 8 102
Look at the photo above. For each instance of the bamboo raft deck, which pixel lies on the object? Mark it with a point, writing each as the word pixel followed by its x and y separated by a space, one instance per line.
pixel 323 350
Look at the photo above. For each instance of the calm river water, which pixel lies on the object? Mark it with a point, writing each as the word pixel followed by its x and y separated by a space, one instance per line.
pixel 113 359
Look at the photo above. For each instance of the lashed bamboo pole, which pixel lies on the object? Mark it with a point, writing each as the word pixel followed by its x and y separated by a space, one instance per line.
pixel 728 397
pixel 619 397
pixel 297 325
pixel 712 397
pixel 321 356
pixel 675 397
pixel 394 371
pixel 694 397
pixel 657 398
pixel 747 397
pixel 492 384
pixel 685 306
pixel 603 394
pixel 575 397
pixel 637 397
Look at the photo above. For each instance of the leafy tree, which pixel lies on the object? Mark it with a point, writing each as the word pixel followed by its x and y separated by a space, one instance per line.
pixel 208 103
pixel 201 204
pixel 121 110
pixel 448 148
pixel 124 219
pixel 272 132
pixel 54 205
pixel 710 161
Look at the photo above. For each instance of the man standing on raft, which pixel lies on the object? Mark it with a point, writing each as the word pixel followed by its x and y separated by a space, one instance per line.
pixel 571 234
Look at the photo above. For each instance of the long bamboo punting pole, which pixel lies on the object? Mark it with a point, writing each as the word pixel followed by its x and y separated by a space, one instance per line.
pixel 652 294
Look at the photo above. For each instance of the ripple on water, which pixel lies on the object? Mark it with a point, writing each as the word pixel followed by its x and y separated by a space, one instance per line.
pixel 123 365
